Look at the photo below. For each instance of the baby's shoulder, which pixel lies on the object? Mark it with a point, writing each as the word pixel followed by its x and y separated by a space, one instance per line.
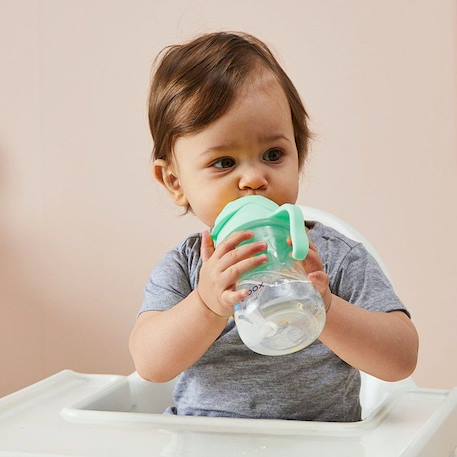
pixel 335 249
pixel 190 244
pixel 324 235
pixel 189 251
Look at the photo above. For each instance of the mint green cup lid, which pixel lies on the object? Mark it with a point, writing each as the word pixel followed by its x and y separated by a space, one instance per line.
pixel 253 211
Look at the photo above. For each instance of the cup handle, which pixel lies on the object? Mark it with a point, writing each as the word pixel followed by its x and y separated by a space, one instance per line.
pixel 300 242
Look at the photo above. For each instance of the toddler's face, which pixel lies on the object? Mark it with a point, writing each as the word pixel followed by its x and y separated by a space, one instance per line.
pixel 250 150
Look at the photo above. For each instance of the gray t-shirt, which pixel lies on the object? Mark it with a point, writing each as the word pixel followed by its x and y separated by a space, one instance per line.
pixel 230 380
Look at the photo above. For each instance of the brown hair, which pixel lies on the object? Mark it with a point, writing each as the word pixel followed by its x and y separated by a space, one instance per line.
pixel 196 83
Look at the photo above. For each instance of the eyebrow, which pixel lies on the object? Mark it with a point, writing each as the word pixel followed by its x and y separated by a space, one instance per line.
pixel 264 139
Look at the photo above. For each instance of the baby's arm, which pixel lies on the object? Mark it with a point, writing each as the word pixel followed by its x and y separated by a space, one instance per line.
pixel 382 344
pixel 165 343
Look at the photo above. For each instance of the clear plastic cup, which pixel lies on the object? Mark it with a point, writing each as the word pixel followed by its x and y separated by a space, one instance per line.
pixel 283 312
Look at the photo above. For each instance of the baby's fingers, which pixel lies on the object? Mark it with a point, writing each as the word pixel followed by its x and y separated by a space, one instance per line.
pixel 207 246
pixel 232 242
pixel 319 277
pixel 233 297
pixel 241 253
pixel 233 273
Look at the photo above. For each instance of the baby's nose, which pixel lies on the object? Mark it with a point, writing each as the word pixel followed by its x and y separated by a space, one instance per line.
pixel 253 180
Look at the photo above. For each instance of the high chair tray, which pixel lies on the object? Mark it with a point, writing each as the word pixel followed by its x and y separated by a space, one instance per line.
pixel 91 415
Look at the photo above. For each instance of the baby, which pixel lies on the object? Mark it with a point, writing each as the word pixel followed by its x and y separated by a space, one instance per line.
pixel 227 122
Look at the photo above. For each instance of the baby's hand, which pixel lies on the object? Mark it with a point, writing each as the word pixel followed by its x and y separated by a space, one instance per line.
pixel 314 269
pixel 222 268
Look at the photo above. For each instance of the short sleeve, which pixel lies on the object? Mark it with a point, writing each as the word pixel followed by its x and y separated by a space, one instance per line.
pixel 168 283
pixel 361 281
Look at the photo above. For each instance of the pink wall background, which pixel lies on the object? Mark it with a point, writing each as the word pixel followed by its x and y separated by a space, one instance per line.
pixel 82 223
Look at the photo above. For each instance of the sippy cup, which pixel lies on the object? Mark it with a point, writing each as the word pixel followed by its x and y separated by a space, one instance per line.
pixel 283 312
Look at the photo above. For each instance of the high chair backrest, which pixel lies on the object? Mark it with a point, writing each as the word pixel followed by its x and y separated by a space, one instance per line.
pixel 373 390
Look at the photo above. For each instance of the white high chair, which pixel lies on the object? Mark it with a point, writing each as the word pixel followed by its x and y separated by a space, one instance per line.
pixel 89 415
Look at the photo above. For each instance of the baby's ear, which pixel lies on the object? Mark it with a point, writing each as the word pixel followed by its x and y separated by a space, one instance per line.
pixel 165 174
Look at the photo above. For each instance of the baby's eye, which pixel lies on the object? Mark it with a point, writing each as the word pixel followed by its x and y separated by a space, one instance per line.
pixel 224 160
pixel 275 153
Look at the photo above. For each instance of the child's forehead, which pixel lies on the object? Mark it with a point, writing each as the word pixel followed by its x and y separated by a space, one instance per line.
pixel 267 137
pixel 262 103
pixel 255 125
pixel 262 116
pixel 259 113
